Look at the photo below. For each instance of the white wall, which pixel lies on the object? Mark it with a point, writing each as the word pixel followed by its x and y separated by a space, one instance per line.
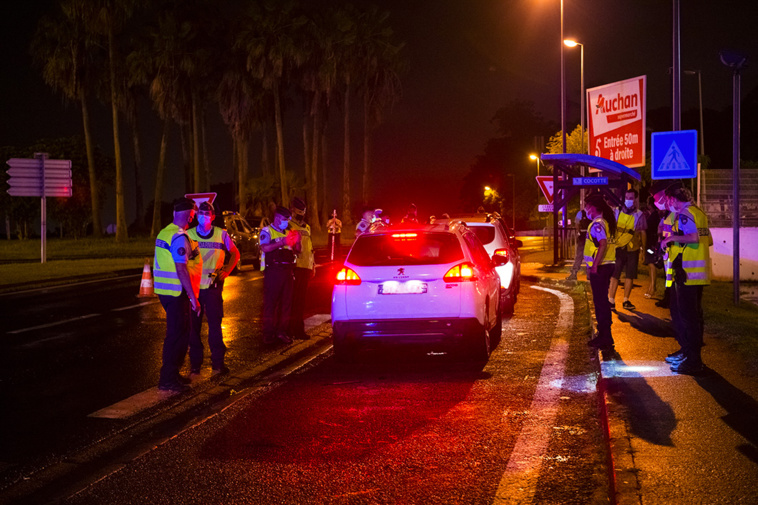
pixel 721 254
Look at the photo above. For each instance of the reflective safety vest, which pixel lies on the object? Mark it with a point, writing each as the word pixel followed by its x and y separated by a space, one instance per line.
pixel 696 257
pixel 592 244
pixel 625 231
pixel 213 249
pixel 305 257
pixel 164 269
pixel 283 255
pixel 666 232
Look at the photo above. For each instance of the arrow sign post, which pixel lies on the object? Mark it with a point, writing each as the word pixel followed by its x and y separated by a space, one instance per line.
pixel 40 177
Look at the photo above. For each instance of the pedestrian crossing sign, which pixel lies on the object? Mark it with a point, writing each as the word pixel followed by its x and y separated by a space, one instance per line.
pixel 674 155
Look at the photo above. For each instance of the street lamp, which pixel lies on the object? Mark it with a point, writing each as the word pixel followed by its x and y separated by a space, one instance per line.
pixel 700 97
pixel 573 43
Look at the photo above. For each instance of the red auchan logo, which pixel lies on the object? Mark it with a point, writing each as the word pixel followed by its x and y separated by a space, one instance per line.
pixel 620 103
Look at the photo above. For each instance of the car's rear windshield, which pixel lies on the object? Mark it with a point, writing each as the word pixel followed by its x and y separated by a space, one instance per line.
pixel 405 248
pixel 486 234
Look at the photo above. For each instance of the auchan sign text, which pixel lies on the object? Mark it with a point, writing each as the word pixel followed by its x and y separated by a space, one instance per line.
pixel 617 121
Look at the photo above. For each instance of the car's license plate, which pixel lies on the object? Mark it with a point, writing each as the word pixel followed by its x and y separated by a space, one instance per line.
pixel 402 288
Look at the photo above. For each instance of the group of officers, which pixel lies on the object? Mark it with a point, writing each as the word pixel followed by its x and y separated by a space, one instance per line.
pixel 190 267
pixel 612 245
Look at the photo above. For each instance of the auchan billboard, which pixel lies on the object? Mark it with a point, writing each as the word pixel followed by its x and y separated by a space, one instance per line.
pixel 617 121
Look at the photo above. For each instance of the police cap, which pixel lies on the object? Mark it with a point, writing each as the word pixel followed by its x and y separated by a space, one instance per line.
pixel 183 204
pixel 298 203
pixel 662 185
pixel 283 211
pixel 207 206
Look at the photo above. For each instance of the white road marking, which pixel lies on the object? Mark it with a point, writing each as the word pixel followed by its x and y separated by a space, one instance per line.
pixel 151 302
pixel 49 325
pixel 519 482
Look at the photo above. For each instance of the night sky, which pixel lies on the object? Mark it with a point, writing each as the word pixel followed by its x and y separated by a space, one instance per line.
pixel 467 59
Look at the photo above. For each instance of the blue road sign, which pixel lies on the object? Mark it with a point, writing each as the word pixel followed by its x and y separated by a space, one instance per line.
pixel 589 181
pixel 674 155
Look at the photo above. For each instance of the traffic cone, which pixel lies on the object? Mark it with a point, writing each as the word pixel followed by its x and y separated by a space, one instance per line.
pixel 146 285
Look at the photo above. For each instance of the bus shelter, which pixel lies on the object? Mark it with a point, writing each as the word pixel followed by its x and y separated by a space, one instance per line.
pixel 608 177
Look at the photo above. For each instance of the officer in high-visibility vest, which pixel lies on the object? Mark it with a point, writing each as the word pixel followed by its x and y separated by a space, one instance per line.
pixel 215 245
pixel 600 256
pixel 688 271
pixel 305 268
pixel 177 269
pixel 630 238
pixel 658 190
pixel 278 243
pixel 334 227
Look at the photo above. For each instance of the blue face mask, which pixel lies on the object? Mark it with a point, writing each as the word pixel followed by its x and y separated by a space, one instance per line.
pixel 283 225
pixel 204 221
pixel 629 203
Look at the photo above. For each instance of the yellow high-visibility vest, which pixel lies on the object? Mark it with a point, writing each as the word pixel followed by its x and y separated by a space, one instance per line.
pixel 164 269
pixel 592 244
pixel 213 249
pixel 696 257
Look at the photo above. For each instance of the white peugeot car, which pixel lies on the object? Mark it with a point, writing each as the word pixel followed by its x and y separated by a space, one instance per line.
pixel 430 284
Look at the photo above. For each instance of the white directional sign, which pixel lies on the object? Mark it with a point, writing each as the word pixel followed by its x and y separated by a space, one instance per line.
pixel 26 177
pixel 545 208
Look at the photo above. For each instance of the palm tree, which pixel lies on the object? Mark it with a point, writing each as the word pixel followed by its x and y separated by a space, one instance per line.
pixel 380 63
pixel 157 62
pixel 270 40
pixel 67 54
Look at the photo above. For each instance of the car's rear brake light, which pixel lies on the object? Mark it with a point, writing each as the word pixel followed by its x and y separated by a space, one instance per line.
pixel 405 236
pixel 503 252
pixel 348 277
pixel 460 273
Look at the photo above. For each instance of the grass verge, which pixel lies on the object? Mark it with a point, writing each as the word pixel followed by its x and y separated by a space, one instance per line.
pixel 22 275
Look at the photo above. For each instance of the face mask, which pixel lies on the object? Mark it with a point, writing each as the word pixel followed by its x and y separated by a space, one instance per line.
pixel 204 220
pixel 660 205
pixel 283 225
pixel 629 203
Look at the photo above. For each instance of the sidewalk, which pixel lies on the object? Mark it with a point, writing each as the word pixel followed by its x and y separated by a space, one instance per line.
pixel 674 439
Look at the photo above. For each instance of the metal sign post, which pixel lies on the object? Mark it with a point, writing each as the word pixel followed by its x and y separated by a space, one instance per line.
pixel 40 177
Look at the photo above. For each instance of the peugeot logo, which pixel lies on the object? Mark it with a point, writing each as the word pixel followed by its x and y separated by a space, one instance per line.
pixel 401 271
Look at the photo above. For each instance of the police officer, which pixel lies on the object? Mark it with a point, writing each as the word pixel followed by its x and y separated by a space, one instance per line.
pixel 411 216
pixel 177 268
pixel 334 227
pixel 582 222
pixel 215 244
pixel 630 238
pixel 365 223
pixel 600 256
pixel 688 270
pixel 658 190
pixel 304 268
pixel 278 243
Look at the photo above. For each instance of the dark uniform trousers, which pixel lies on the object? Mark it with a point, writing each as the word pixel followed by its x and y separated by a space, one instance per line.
pixel 687 317
pixel 599 283
pixel 178 323
pixel 212 305
pixel 277 300
pixel 300 290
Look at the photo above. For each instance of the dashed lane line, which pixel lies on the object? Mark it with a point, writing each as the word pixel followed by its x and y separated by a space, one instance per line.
pixel 519 482
pixel 50 325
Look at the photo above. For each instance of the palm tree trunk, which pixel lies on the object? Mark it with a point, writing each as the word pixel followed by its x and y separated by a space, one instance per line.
pixel 186 139
pixel 307 137
pixel 280 146
pixel 324 174
pixel 366 147
pixel 346 161
pixel 206 164
pixel 265 160
pixel 122 233
pixel 313 181
pixel 242 174
pixel 97 224
pixel 158 196
pixel 138 196
pixel 195 146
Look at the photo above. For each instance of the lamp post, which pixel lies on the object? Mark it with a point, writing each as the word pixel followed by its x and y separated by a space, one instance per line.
pixel 573 43
pixel 700 101
pixel 736 62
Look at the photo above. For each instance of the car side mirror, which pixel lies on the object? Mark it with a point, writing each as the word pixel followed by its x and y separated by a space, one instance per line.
pixel 518 243
pixel 498 260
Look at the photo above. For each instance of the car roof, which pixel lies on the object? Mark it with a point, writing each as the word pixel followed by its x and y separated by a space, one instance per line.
pixel 438 227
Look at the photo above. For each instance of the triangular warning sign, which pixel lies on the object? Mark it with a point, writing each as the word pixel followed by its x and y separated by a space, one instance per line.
pixel 674 160
pixel 201 197
pixel 546 185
